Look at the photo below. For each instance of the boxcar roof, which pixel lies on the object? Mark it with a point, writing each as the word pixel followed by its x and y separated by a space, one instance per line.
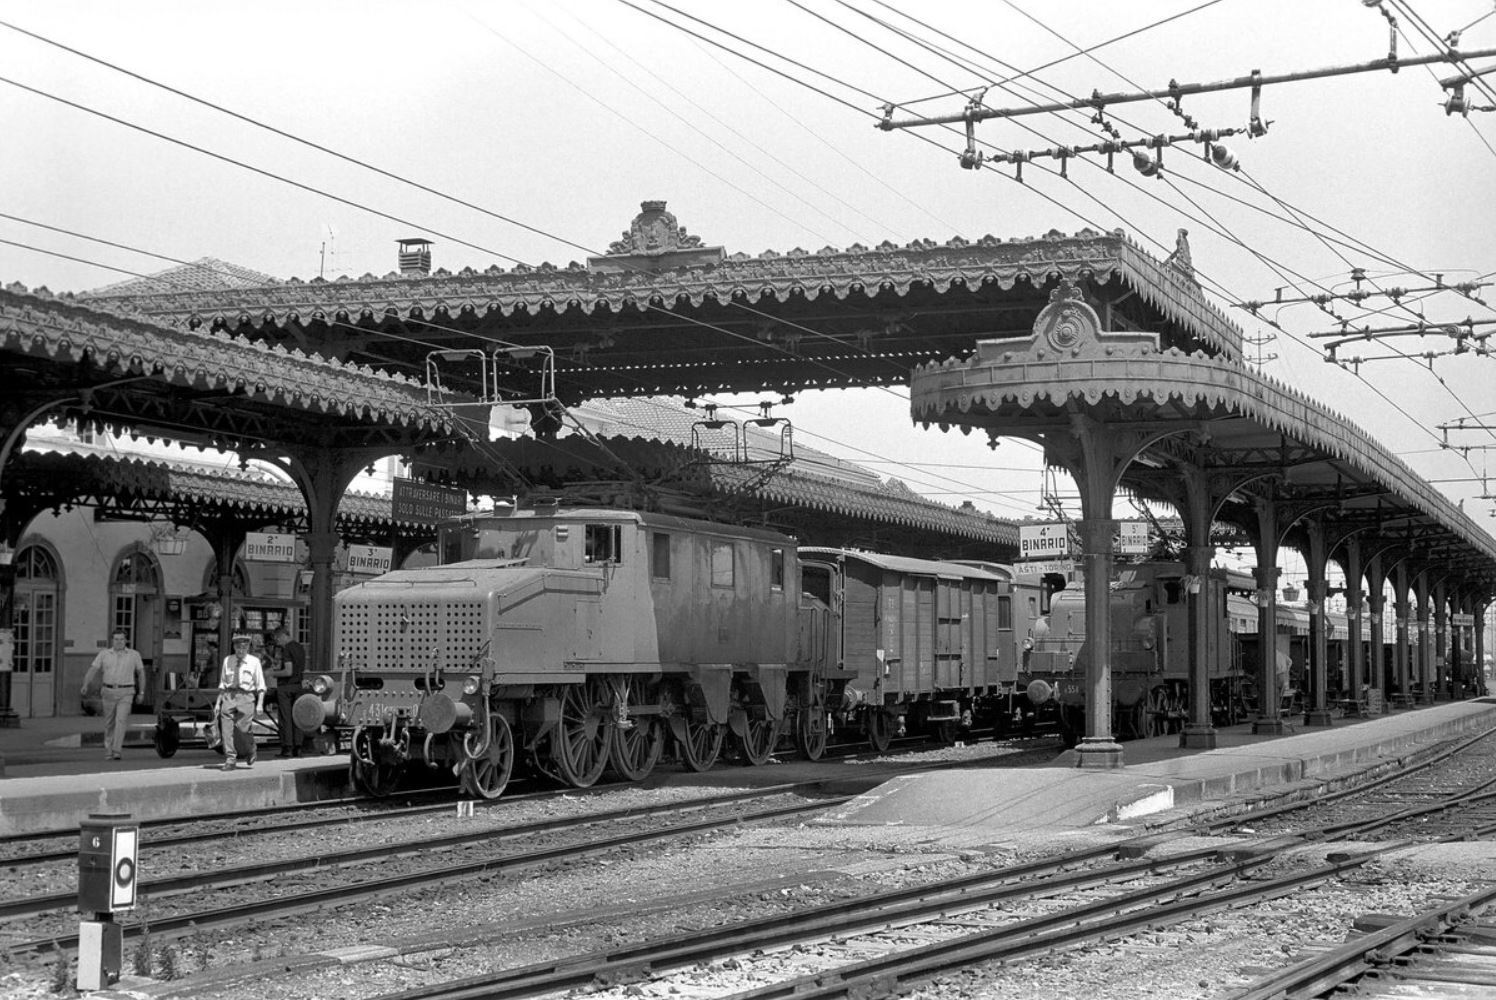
pixel 905 564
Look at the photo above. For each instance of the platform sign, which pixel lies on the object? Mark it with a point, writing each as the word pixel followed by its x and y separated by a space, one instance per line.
pixel 369 560
pixel 1043 541
pixel 426 503
pixel 1035 568
pixel 1133 540
pixel 268 546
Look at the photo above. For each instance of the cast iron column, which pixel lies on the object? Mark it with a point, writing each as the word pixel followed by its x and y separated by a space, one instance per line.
pixel 1098 749
pixel 1376 598
pixel 1355 612
pixel 1199 732
pixel 1268 721
pixel 1317 712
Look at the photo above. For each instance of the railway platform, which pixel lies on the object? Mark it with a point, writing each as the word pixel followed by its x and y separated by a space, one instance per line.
pixel 54 776
pixel 1160 777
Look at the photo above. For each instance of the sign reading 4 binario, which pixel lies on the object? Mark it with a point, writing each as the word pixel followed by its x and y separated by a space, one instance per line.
pixel 1043 541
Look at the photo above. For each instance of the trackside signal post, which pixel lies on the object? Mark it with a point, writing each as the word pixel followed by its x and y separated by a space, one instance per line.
pixel 107 849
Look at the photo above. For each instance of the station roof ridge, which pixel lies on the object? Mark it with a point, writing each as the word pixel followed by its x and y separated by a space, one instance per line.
pixel 840 273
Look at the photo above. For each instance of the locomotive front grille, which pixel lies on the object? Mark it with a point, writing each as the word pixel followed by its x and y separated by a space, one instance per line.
pixel 395 636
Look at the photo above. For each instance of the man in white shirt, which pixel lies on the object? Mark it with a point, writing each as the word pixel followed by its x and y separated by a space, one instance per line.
pixel 119 675
pixel 241 697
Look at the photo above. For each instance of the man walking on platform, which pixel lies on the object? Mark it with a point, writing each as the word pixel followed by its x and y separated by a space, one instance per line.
pixel 120 676
pixel 287 689
pixel 241 698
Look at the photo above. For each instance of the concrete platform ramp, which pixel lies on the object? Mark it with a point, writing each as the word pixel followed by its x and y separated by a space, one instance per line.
pixel 1159 775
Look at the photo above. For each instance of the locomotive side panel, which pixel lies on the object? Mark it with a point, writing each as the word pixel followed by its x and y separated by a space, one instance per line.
pixel 733 601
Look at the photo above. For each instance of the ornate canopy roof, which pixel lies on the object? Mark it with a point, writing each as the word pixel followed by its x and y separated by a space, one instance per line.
pixel 1250 434
pixel 661 314
pixel 197 386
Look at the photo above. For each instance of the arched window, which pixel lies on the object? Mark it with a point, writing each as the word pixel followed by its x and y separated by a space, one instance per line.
pixel 240 581
pixel 136 576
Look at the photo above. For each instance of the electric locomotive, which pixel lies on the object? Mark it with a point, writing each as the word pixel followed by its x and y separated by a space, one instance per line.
pixel 1150 653
pixel 581 638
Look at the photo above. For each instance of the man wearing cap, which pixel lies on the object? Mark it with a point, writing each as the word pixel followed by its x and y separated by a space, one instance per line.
pixel 240 699
pixel 119 675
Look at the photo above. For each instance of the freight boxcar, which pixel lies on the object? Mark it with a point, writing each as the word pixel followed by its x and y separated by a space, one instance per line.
pixel 920 647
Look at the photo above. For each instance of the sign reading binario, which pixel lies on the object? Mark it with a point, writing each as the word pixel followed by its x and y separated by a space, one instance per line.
pixel 369 560
pixel 1043 541
pixel 267 546
pixel 426 503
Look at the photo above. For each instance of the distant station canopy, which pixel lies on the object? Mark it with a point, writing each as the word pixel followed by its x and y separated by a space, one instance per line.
pixel 415 256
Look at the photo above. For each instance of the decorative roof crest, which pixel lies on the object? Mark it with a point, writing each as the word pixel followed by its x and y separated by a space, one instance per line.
pixel 654 230
pixel 655 242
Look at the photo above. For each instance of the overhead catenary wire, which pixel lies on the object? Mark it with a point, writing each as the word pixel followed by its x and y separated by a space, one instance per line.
pixel 697 20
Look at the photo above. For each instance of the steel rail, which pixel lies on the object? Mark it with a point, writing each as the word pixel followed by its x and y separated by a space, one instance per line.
pixel 1422 764
pixel 1325 972
pixel 376 812
pixel 446 808
pixel 889 974
pixel 855 915
pixel 160 888
pixel 340 895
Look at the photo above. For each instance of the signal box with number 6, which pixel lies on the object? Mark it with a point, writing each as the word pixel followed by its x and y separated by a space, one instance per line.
pixel 106 863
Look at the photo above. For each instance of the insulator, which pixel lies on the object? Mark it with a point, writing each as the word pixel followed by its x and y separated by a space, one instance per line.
pixel 1224 158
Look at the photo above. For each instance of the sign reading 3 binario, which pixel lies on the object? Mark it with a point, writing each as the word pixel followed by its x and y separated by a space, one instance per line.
pixel 369 560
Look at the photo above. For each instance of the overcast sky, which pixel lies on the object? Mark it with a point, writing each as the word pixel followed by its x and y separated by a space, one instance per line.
pixel 565 115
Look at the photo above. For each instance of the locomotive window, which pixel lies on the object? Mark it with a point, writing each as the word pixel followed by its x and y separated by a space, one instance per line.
pixel 776 569
pixel 659 555
pixel 1005 612
pixel 452 546
pixel 603 544
pixel 722 568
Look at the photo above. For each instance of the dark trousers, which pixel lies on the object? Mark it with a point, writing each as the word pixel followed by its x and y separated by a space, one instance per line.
pixel 285 697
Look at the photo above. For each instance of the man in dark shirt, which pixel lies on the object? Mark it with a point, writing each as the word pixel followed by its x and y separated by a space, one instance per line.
pixel 288 676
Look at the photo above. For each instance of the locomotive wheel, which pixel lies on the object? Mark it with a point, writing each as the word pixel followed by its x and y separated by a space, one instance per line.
pixel 579 744
pixel 757 743
pixel 376 779
pixel 812 725
pixel 487 776
pixel 702 745
pixel 636 749
pixel 879 728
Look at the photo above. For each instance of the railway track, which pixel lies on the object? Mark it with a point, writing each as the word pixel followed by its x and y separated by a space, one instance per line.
pixel 56 908
pixel 20 851
pixel 1449 950
pixel 922 933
